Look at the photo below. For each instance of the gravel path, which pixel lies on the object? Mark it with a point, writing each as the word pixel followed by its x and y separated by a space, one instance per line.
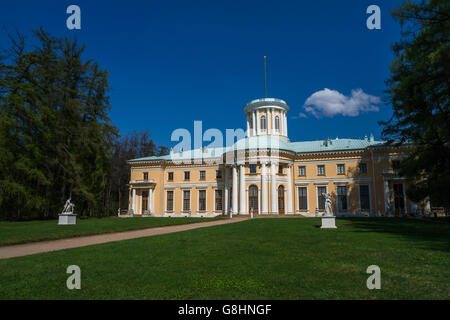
pixel 68 243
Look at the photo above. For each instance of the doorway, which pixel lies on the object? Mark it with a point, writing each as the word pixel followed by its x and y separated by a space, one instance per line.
pixel 144 201
pixel 253 199
pixel 280 200
pixel 399 201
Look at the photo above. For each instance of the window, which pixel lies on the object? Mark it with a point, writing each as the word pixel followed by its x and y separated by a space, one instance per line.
pixel 186 200
pixel 364 198
pixel 169 205
pixel 395 164
pixel 202 175
pixel 362 168
pixel 341 169
pixel 252 168
pixel 187 175
pixel 342 198
pixel 277 123
pixel 145 176
pixel 144 201
pixel 321 170
pixel 218 174
pixel 253 198
pixel 170 176
pixel 201 200
pixel 263 123
pixel 219 200
pixel 320 197
pixel 302 171
pixel 302 198
pixel 280 169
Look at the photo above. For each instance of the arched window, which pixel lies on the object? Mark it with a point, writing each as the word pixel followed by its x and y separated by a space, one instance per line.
pixel 277 123
pixel 253 198
pixel 263 123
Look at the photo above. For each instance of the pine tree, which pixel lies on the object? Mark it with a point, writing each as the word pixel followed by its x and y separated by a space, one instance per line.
pixel 419 91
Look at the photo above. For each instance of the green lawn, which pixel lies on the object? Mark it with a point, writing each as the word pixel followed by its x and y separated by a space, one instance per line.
pixel 254 259
pixel 21 232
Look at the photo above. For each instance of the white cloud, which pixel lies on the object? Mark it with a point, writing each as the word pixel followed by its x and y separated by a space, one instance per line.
pixel 328 103
pixel 300 115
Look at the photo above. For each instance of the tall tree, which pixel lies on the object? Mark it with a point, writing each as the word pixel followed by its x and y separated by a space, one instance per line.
pixel 419 91
pixel 129 146
pixel 55 131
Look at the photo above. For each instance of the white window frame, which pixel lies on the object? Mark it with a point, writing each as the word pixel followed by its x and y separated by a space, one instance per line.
pixel 263 128
pixel 298 171
pixel 359 168
pixel 298 199
pixel 337 197
pixel 370 197
pixel 190 200
pixel 248 197
pixel 324 170
pixel 215 203
pixel 317 196
pixel 173 200
pixel 198 200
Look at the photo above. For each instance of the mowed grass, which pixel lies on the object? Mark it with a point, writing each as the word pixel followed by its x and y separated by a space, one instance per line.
pixel 22 232
pixel 284 258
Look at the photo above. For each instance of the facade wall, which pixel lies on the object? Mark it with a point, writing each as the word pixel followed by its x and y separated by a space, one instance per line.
pixel 379 175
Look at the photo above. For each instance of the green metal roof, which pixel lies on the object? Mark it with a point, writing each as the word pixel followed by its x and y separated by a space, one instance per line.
pixel 269 142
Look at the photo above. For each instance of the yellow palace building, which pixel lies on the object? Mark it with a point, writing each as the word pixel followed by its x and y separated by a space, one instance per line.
pixel 265 173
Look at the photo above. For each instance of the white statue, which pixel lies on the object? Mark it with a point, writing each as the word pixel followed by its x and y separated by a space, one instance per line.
pixel 68 207
pixel 327 197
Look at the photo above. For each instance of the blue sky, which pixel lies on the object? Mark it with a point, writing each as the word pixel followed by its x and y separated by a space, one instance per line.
pixel 174 62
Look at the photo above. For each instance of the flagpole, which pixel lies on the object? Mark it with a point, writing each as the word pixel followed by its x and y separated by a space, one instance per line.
pixel 265 76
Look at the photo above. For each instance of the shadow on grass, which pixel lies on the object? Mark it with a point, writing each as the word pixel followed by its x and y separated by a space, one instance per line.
pixel 430 234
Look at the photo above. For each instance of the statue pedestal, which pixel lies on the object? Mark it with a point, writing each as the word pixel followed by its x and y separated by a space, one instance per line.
pixel 328 222
pixel 67 219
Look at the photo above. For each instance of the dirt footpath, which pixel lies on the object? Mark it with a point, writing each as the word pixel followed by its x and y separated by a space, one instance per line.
pixel 68 243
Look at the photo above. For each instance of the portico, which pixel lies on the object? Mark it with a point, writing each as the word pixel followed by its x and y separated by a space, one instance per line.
pixel 142 196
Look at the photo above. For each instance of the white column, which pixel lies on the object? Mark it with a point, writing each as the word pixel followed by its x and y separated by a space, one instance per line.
pixel 248 126
pixel 263 188
pixel 281 124
pixel 273 120
pixel 142 202
pixel 273 189
pixel 286 124
pixel 133 206
pixel 289 190
pixel 225 192
pixel 257 122
pixel 242 189
pixel 234 210
pixel 254 122
pixel 386 196
pixel 150 200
